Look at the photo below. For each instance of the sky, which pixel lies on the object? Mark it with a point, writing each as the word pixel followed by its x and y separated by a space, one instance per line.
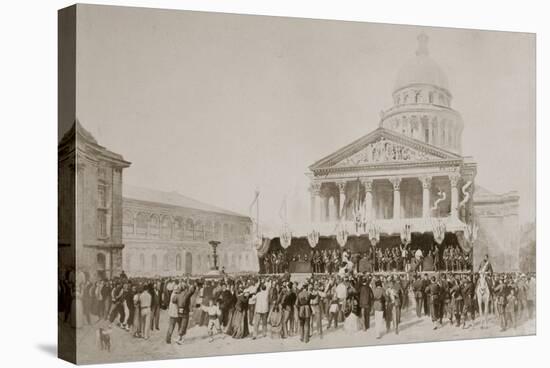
pixel 215 106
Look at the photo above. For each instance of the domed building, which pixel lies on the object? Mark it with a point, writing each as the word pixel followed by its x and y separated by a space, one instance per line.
pixel 408 183
pixel 422 103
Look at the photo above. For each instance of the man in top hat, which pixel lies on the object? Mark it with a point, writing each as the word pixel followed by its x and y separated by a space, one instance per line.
pixel 365 301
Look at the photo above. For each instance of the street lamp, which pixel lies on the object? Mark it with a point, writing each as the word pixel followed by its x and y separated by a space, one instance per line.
pixel 214 244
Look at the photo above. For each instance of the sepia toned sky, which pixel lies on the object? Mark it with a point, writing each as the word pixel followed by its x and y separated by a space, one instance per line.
pixel 214 106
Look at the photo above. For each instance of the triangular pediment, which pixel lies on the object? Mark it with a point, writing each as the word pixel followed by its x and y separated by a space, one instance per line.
pixel 383 146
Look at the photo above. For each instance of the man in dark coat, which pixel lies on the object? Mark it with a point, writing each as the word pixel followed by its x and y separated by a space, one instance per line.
pixel 365 301
pixel 433 291
pixel 467 289
pixel 155 306
pixel 287 301
pixel 304 313
pixel 418 289
pixel 183 301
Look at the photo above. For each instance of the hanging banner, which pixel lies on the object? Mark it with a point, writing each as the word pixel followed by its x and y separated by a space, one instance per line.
pixel 286 237
pixel 438 229
pixel 262 246
pixel 374 233
pixel 313 238
pixel 341 235
pixel 406 234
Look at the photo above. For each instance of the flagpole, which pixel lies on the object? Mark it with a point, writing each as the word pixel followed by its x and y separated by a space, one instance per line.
pixel 258 215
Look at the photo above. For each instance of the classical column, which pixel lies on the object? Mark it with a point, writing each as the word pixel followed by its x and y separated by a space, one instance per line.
pixel 426 186
pixel 396 181
pixel 332 208
pixel 315 207
pixel 454 179
pixel 342 189
pixel 367 182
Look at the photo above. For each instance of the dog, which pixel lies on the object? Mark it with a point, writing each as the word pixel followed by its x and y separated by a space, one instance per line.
pixel 103 338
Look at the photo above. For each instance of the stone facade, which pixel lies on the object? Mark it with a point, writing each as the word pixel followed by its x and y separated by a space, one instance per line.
pixel 90 204
pixel 499 230
pixel 167 234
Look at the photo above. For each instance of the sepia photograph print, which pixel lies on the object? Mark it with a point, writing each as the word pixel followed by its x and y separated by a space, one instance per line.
pixel 234 184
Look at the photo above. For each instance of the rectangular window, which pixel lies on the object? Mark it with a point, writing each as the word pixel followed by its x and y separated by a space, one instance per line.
pixel 101 196
pixel 101 224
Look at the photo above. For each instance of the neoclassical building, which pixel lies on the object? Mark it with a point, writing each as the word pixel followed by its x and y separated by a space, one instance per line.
pixel 89 205
pixel 410 175
pixel 166 233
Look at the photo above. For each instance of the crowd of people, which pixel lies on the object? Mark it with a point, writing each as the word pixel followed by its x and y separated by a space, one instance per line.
pixel 260 305
pixel 379 259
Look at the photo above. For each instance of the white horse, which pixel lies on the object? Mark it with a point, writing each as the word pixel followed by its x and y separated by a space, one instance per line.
pixel 483 294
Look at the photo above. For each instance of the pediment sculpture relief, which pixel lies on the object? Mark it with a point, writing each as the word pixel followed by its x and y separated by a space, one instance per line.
pixel 385 150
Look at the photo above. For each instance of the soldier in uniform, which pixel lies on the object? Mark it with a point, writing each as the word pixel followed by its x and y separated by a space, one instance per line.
pixel 457 300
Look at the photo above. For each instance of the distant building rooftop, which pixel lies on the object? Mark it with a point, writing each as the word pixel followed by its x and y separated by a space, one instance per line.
pixel 172 199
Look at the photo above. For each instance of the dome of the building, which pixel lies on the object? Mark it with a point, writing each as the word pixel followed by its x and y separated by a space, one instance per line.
pixel 421 69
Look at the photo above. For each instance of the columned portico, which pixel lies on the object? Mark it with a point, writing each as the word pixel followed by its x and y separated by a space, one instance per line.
pixel 367 182
pixel 315 206
pixel 396 182
pixel 454 179
pixel 426 186
pixel 342 190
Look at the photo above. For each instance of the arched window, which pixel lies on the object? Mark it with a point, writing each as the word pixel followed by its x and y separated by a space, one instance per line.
pixel 165 262
pixel 178 262
pixel 154 262
pixel 154 226
pixel 166 228
pixel 142 220
pixel 128 222
pixel 188 263
pixel 101 264
pixel 189 228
